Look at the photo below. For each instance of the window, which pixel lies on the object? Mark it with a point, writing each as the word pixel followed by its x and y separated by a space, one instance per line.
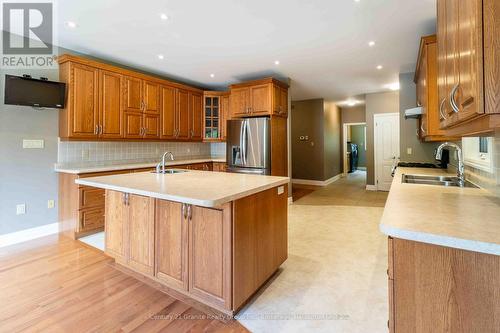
pixel 478 153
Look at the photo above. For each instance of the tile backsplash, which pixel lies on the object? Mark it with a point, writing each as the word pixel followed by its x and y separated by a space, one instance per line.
pixel 73 152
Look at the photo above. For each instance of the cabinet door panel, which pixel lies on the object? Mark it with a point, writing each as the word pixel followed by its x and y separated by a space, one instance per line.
pixel 110 105
pixel 133 125
pixel 224 117
pixel 91 219
pixel 132 94
pixel 210 255
pixel 141 233
pixel 84 101
pixel 171 244
pixel 151 126
pixel 260 97
pixel 183 114
pixel 469 53
pixel 116 225
pixel 196 116
pixel 452 76
pixel 168 112
pixel 284 101
pixel 151 97
pixel 240 101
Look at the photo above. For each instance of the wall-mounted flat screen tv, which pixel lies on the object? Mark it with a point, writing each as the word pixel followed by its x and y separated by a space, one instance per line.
pixel 33 92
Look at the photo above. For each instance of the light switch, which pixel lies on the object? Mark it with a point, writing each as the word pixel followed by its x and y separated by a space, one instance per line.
pixel 20 209
pixel 409 151
pixel 33 144
pixel 281 190
pixel 50 204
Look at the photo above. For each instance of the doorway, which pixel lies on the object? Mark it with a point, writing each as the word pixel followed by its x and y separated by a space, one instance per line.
pixel 386 148
pixel 354 148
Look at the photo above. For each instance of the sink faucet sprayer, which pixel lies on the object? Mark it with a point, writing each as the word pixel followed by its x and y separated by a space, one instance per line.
pixel 161 165
pixel 460 169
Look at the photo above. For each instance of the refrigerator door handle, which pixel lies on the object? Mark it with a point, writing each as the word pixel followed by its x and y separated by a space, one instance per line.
pixel 242 128
pixel 244 145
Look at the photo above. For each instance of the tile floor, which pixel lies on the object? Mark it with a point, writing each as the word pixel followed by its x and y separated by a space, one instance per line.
pixel 336 269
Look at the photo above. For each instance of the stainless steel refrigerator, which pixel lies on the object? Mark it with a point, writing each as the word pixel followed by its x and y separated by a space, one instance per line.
pixel 248 146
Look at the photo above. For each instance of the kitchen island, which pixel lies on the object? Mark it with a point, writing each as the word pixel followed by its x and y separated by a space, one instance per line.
pixel 444 256
pixel 208 237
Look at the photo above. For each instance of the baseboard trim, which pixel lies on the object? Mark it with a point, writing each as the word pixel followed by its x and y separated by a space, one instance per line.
pixel 371 188
pixel 28 234
pixel 316 182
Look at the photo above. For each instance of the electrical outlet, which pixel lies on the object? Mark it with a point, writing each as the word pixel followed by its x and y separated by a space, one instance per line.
pixel 33 144
pixel 409 151
pixel 50 204
pixel 189 150
pixel 21 209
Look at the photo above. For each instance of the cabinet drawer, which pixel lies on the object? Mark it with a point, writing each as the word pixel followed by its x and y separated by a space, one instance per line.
pixel 91 197
pixel 91 219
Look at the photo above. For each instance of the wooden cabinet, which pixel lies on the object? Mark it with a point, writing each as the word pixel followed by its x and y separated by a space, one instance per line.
pixel 172 244
pixel 110 103
pixel 469 93
pixel 210 254
pixel 130 230
pixel 168 112
pixel 426 79
pixel 196 116
pixel 430 280
pixel 142 109
pixel 219 167
pixel 259 98
pixel 216 113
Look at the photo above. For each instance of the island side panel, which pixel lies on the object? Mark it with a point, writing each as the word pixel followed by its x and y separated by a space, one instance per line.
pixel 260 223
pixel 441 289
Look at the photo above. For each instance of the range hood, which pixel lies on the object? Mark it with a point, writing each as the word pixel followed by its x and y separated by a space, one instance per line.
pixel 413 113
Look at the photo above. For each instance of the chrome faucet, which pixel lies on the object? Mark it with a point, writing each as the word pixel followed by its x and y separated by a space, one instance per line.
pixel 461 169
pixel 160 167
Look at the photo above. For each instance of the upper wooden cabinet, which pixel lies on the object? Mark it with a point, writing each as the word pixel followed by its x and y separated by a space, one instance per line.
pixel 216 113
pixel 426 79
pixel 106 102
pixel 468 66
pixel 258 98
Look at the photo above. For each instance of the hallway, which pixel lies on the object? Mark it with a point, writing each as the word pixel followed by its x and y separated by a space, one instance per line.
pixel 336 268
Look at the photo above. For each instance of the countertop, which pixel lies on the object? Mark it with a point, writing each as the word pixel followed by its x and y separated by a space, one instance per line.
pixel 200 188
pixel 463 218
pixel 88 167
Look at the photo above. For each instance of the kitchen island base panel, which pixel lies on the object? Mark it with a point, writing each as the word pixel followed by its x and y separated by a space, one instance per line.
pixel 219 256
pixel 442 289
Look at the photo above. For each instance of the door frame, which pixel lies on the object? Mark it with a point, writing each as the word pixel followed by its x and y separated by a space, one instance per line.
pixel 344 145
pixel 375 117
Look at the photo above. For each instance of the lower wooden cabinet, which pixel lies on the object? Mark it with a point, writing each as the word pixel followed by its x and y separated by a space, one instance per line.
pixel 442 289
pixel 210 254
pixel 129 232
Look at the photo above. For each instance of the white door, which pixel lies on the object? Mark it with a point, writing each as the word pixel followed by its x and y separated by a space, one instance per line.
pixel 386 148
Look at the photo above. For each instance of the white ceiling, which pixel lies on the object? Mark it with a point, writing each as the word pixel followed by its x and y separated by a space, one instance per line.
pixel 322 45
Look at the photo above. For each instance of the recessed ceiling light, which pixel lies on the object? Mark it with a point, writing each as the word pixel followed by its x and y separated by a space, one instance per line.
pixel 351 103
pixel 357 0
pixel 161 56
pixel 70 24
pixel 371 43
pixel 164 16
pixel 379 67
pixel 276 62
pixel 212 75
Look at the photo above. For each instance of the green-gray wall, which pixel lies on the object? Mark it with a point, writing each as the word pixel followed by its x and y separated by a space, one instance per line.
pixel 358 137
pixel 319 158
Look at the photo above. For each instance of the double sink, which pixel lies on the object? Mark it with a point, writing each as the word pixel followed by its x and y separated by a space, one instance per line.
pixel 437 180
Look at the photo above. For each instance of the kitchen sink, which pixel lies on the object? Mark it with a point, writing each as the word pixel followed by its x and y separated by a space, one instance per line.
pixel 437 180
pixel 169 171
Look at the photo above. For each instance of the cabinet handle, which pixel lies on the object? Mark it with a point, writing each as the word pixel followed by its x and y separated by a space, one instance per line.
pixel 100 129
pixel 96 129
pixel 184 211
pixel 189 212
pixel 422 128
pixel 418 133
pixel 453 103
pixel 441 113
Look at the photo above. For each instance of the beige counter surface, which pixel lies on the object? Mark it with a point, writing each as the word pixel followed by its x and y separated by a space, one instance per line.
pixel 464 218
pixel 88 168
pixel 200 188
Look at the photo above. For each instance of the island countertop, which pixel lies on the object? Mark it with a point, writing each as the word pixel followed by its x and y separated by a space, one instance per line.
pixel 200 188
pixel 464 218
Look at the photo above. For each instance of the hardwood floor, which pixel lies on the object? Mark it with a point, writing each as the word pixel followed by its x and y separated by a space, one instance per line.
pixel 59 285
